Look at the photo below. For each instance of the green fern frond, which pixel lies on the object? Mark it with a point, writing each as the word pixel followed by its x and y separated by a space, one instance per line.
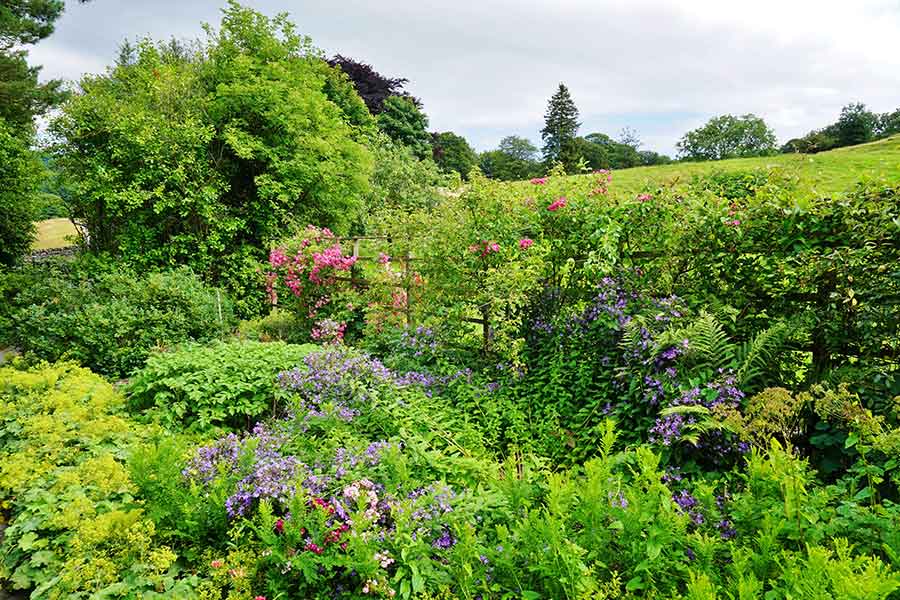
pixel 709 344
pixel 755 356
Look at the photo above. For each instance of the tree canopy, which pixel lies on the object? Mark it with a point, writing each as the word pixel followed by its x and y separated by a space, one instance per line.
pixel 402 120
pixel 204 154
pixel 452 152
pixel 373 87
pixel 728 136
pixel 516 158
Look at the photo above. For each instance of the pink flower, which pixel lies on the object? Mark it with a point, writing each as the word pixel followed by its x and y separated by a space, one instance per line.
pixel 539 180
pixel 217 564
pixel 383 258
pixel 526 243
pixel 557 204
pixel 735 223
pixel 259 598
pixel 277 257
pixel 644 197
pixel 487 247
pixel 330 257
pixel 313 547
pixel 279 526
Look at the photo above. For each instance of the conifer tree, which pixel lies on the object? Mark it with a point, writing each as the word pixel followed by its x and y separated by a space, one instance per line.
pixel 560 127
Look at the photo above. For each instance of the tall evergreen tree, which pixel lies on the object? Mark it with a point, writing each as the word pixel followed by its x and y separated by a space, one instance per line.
pixel 560 127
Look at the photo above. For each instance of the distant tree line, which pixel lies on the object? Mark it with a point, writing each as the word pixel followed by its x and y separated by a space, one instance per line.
pixel 855 125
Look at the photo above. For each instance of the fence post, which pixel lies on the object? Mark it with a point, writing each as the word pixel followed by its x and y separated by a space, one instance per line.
pixel 406 287
pixel 486 332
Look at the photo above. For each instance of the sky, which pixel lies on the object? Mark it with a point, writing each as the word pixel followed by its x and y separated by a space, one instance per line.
pixel 486 68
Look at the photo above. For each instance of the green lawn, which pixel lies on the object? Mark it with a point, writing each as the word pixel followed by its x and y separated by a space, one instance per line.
pixel 52 233
pixel 824 174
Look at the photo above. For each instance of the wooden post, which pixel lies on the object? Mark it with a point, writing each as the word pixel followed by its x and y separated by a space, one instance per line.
pixel 353 268
pixel 407 287
pixel 486 328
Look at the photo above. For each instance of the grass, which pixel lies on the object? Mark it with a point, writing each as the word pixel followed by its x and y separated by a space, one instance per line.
pixel 824 175
pixel 52 233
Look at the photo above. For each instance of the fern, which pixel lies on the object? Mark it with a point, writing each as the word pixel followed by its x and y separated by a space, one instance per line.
pixel 709 344
pixel 755 356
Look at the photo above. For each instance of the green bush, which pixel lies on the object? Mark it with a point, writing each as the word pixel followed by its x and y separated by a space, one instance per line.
pixel 222 385
pixel 75 529
pixel 104 316
pixel 202 154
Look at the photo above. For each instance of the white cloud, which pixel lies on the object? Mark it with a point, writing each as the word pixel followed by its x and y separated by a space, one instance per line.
pixel 485 68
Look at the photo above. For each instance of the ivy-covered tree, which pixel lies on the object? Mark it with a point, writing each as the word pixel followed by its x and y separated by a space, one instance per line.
pixel 373 87
pixel 560 128
pixel 402 120
pixel 728 136
pixel 452 152
pixel 19 176
pixel 204 157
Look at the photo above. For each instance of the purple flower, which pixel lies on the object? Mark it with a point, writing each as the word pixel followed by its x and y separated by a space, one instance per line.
pixel 444 541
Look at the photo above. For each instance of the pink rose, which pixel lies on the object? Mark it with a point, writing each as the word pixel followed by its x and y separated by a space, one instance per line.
pixel 557 204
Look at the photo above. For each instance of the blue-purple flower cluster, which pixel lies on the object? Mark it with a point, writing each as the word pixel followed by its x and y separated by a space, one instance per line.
pixel 722 392
pixel 421 341
pixel 688 504
pixel 256 464
pixel 334 383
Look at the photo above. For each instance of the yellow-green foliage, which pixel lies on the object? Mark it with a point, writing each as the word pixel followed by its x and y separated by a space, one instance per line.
pixel 774 412
pixel 53 414
pixel 75 529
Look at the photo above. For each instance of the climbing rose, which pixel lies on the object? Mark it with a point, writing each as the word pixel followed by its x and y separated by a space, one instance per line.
pixel 526 243
pixel 539 180
pixel 557 204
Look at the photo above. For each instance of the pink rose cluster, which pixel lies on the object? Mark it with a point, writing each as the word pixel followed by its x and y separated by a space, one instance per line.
pixel 332 257
pixel 485 248
pixel 557 204
pixel 526 243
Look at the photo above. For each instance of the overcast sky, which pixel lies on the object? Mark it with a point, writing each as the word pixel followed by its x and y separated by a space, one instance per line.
pixel 486 68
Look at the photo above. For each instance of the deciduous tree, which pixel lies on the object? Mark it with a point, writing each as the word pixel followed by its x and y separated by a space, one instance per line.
pixel 728 136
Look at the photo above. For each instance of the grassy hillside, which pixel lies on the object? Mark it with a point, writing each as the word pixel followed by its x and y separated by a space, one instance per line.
pixel 53 233
pixel 824 174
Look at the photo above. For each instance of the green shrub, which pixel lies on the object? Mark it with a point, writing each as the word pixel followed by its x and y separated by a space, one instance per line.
pixel 202 154
pixel 222 385
pixel 278 325
pixel 75 529
pixel 106 317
